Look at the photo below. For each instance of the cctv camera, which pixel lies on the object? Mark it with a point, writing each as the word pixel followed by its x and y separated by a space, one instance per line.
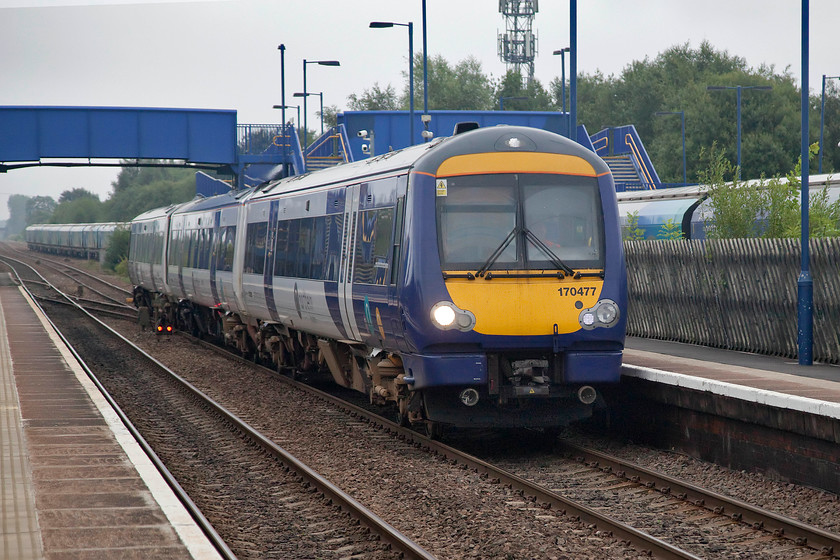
pixel 365 148
pixel 427 134
pixel 361 133
pixel 426 118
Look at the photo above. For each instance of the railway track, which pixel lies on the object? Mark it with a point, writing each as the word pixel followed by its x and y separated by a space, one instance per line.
pixel 89 290
pixel 195 434
pixel 754 533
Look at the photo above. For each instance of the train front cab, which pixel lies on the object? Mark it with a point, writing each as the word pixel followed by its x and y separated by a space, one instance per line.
pixel 516 300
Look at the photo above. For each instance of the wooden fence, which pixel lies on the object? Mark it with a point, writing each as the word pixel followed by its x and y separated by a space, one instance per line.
pixel 739 294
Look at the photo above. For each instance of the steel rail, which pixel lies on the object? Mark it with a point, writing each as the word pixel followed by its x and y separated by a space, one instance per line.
pixel 388 533
pixel 641 540
pixel 51 263
pixel 202 522
pixel 801 533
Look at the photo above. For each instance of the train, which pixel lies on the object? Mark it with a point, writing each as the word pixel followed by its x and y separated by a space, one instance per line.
pixel 86 241
pixel 688 207
pixel 476 280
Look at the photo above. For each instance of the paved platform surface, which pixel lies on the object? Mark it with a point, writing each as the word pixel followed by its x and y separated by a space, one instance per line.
pixel 73 483
pixel 763 379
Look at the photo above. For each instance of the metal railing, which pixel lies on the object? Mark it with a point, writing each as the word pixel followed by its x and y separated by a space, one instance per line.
pixel 637 160
pixel 330 149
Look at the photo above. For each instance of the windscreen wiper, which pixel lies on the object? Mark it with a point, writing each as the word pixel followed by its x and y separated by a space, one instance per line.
pixel 497 253
pixel 555 260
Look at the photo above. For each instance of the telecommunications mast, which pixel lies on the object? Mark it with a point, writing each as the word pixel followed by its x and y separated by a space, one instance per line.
pixel 518 45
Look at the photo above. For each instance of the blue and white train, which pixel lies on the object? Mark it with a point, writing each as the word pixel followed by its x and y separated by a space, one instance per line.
pixel 477 280
pixel 688 208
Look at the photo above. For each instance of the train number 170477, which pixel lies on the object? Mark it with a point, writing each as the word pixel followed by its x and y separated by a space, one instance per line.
pixel 578 290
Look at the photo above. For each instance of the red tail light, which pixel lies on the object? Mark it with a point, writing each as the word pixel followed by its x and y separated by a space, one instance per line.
pixel 160 328
pixel 168 328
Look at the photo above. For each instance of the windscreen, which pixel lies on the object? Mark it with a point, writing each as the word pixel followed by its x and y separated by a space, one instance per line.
pixel 520 221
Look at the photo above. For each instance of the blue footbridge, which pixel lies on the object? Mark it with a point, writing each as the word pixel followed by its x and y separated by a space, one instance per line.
pixel 250 154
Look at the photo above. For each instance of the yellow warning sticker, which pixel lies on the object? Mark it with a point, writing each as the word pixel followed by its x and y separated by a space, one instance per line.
pixel 440 187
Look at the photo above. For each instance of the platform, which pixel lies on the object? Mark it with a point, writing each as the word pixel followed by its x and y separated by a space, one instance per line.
pixel 74 483
pixel 769 380
pixel 740 410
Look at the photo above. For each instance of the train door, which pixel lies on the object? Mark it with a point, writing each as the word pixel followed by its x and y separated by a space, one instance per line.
pixel 394 303
pixel 345 276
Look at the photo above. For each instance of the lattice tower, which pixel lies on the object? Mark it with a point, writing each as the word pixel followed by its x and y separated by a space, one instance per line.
pixel 518 45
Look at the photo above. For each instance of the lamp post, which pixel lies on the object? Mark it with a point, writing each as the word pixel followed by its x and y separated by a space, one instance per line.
pixel 805 282
pixel 822 116
pixel 573 52
pixel 282 49
pixel 305 62
pixel 738 89
pixel 425 75
pixel 410 25
pixel 319 94
pixel 562 52
pixel 682 119
pixel 502 101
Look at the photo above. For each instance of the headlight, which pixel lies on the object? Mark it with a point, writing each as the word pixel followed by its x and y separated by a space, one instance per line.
pixel 446 315
pixel 605 313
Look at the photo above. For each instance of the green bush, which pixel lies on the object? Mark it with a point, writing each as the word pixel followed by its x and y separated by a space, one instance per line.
pixel 117 248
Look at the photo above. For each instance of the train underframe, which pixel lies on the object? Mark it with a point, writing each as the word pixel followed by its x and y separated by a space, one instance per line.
pixel 522 392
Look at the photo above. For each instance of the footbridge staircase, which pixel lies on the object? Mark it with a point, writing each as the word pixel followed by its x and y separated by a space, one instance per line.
pixel 623 151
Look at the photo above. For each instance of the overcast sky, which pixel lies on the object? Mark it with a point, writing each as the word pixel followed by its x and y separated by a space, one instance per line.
pixel 223 54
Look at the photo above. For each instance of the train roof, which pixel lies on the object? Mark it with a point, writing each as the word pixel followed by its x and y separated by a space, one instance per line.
pixel 428 157
pixel 157 213
pixel 699 191
pixel 204 204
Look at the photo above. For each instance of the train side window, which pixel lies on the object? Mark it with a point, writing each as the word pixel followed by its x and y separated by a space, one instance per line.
pixel 398 227
pixel 373 245
pixel 208 249
pixel 255 238
pixel 304 249
pixel 193 252
pixel 280 248
pixel 230 243
pixel 334 225
pixel 292 236
pixel 319 248
pixel 157 250
pixel 175 248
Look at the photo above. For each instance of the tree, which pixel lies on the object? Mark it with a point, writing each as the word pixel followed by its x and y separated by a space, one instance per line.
pixel 734 208
pixel 75 194
pixel 676 80
pixel 118 246
pixel 142 197
pixel 632 232
pixel 460 87
pixel 463 87
pixel 330 115
pixel 39 209
pixel 374 99
pixel 17 214
pixel 536 98
pixel 83 210
pixel 768 209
